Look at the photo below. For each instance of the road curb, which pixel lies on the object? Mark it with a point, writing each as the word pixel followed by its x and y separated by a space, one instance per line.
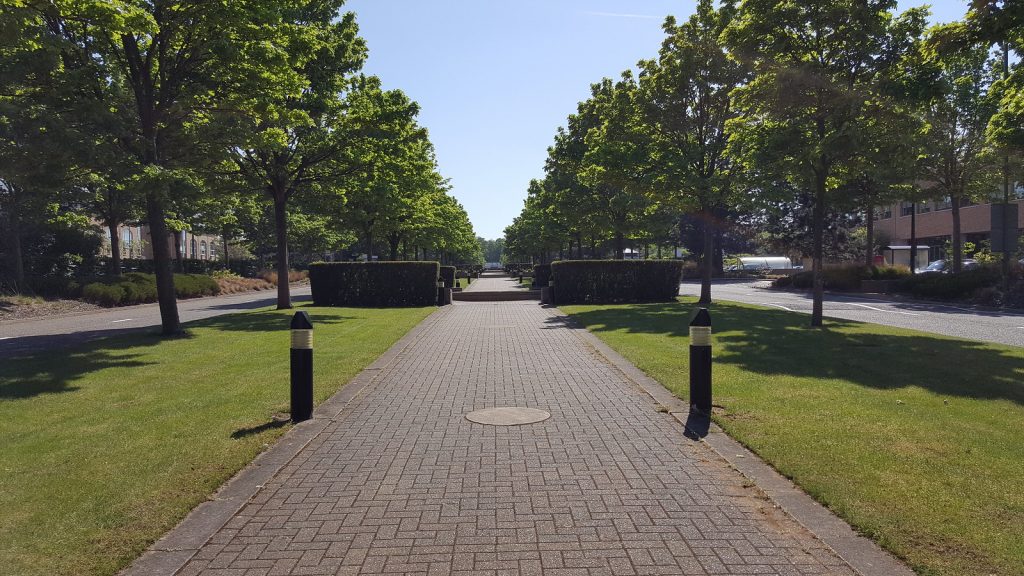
pixel 172 551
pixel 860 553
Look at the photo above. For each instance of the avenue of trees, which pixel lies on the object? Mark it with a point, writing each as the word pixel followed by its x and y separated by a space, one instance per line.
pixel 792 119
pixel 247 119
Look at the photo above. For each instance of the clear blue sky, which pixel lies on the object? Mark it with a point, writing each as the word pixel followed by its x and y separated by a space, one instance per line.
pixel 495 78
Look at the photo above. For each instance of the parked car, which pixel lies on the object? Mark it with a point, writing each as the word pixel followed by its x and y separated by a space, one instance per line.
pixel 944 266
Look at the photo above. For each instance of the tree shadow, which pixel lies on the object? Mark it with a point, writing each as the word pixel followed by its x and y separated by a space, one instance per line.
pixel 266 321
pixel 52 372
pixel 778 343
pixel 49 364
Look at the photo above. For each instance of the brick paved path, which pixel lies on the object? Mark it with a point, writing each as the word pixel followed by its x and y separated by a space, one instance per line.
pixel 492 283
pixel 403 483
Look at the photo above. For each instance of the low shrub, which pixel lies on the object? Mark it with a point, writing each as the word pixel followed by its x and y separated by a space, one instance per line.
pixel 54 287
pixel 140 288
pixel 541 275
pixel 374 284
pixel 951 286
pixel 609 281
pixel 103 294
pixel 293 276
pixel 842 278
pixel 889 272
pixel 235 284
pixel 447 275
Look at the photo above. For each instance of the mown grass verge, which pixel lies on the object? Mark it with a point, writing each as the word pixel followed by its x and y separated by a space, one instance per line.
pixel 913 438
pixel 108 445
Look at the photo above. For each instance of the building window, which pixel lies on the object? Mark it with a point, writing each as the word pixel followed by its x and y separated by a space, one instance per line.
pixel 126 242
pixel 945 204
pixel 202 249
pixel 924 208
pixel 194 249
pixel 883 213
pixel 906 208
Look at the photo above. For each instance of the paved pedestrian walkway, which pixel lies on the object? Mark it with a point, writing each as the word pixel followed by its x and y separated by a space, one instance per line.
pixel 494 283
pixel 402 483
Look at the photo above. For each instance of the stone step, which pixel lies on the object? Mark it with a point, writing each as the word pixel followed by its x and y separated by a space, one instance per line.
pixel 496 295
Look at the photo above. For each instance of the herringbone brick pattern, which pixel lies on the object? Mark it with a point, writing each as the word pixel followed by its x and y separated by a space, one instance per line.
pixel 401 483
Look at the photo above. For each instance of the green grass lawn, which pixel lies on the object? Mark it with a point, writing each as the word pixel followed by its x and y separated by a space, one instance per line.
pixel 108 445
pixel 915 439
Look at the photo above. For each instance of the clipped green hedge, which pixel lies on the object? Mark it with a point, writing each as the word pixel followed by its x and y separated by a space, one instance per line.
pixel 374 284
pixel 541 275
pixel 140 288
pixel 951 286
pixel 447 275
pixel 609 281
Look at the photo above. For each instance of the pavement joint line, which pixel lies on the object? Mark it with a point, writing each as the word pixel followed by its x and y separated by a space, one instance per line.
pixel 202 523
pixel 862 554
pixel 125 320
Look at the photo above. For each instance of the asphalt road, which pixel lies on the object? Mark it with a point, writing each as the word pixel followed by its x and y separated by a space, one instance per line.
pixel 20 337
pixel 950 320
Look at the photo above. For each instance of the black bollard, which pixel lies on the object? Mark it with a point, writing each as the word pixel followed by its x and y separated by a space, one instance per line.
pixel 302 367
pixel 700 362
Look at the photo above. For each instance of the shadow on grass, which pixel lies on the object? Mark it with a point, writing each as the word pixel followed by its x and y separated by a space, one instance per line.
pixel 774 342
pixel 35 365
pixel 52 372
pixel 252 430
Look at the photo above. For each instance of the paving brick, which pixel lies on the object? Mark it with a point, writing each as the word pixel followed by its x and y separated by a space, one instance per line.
pixel 402 483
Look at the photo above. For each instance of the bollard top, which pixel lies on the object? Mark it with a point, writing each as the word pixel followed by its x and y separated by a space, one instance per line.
pixel 301 321
pixel 701 318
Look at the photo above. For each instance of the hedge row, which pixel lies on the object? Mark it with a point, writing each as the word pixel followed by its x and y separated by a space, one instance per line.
pixel 374 284
pixel 140 288
pixel 541 275
pixel 843 278
pixel 609 281
pixel 951 286
pixel 447 275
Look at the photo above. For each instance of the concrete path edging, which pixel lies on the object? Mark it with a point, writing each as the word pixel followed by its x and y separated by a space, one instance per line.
pixel 173 550
pixel 861 553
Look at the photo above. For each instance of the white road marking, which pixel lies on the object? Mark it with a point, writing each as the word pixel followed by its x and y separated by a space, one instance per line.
pixel 779 306
pixel 881 310
pixel 6 337
pixel 125 320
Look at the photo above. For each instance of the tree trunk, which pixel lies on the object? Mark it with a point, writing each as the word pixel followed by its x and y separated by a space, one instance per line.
pixel 393 242
pixel 913 239
pixel 165 295
pixel 115 250
pixel 958 241
pixel 706 261
pixel 579 246
pixel 869 250
pixel 369 244
pixel 178 252
pixel 818 249
pixel 620 246
pixel 284 298
pixel 15 258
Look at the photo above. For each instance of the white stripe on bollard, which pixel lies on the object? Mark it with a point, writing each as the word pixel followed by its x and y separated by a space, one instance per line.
pixel 302 339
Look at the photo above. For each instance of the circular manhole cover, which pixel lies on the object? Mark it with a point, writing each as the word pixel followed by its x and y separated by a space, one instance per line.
pixel 507 416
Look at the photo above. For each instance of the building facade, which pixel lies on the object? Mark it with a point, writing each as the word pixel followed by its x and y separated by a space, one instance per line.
pixel 135 243
pixel 934 224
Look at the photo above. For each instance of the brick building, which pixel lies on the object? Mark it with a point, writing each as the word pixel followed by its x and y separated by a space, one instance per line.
pixel 935 223
pixel 137 244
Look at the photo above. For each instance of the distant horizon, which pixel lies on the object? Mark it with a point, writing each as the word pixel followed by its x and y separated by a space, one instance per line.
pixel 495 80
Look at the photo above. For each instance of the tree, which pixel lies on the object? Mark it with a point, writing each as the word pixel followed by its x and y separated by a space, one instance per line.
pixel 802 117
pixel 616 164
pixel 297 142
pixel 168 67
pixel 686 98
pixel 955 161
